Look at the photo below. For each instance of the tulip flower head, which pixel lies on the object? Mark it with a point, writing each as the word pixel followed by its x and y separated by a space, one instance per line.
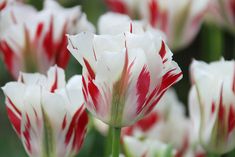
pixel 222 12
pixel 47 114
pixel 124 75
pixel 32 41
pixel 147 148
pixel 180 20
pixel 212 104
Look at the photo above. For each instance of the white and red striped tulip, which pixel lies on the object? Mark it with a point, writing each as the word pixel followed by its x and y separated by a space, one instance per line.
pixel 179 20
pixel 166 121
pixel 212 104
pixel 123 23
pixel 47 114
pixel 124 75
pixel 124 6
pixel 146 148
pixel 222 12
pixel 33 41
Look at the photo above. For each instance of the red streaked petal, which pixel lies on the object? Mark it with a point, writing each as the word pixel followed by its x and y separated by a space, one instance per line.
pixel 213 107
pixel 77 128
pixel 163 50
pixel 154 12
pixel 89 69
pixel 80 131
pixel 55 84
pixel 15 120
pixel 168 80
pixel 3 5
pixel 26 133
pixel 64 122
pixel 8 55
pixel 94 93
pixel 117 6
pixel 48 44
pixel 142 86
pixel 62 53
pixel 231 119
pixel 148 122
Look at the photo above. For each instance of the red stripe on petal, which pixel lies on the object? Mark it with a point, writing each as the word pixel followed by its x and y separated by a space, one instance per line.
pixel 148 122
pixel 14 107
pixel 77 129
pixel 15 120
pixel 55 84
pixel 213 107
pixel 154 12
pixel 48 44
pixel 163 50
pixel 131 27
pixel 80 131
pixel 8 55
pixel 231 119
pixel 64 122
pixel 94 93
pixel 169 79
pixel 3 5
pixel 39 30
pixel 26 133
pixel 62 53
pixel 89 69
pixel 142 86
pixel 117 6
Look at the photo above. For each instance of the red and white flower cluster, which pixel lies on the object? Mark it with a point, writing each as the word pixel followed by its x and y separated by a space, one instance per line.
pixel 32 41
pixel 47 114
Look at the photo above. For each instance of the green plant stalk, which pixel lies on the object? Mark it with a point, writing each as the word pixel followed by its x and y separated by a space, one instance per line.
pixel 115 141
pixel 108 144
pixel 213 43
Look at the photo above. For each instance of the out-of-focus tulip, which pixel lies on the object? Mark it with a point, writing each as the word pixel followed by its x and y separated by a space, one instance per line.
pixel 33 41
pixel 3 4
pixel 146 148
pixel 125 75
pixel 47 114
pixel 212 104
pixel 124 6
pixel 222 12
pixel 180 20
pixel 122 23
pixel 166 121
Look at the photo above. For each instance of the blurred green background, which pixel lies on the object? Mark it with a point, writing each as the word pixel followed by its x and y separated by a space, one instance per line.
pixel 208 45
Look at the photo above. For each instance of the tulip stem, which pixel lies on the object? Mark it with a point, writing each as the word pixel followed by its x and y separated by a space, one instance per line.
pixel 116 141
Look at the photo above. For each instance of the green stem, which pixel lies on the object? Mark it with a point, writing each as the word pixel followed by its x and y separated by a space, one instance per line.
pixel 116 141
pixel 212 43
pixel 108 145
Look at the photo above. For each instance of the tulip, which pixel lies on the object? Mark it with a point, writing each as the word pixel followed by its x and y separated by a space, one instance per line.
pixel 124 76
pixel 33 41
pixel 47 114
pixel 179 20
pixel 123 6
pixel 222 12
pixel 212 104
pixel 123 23
pixel 147 148
pixel 167 120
